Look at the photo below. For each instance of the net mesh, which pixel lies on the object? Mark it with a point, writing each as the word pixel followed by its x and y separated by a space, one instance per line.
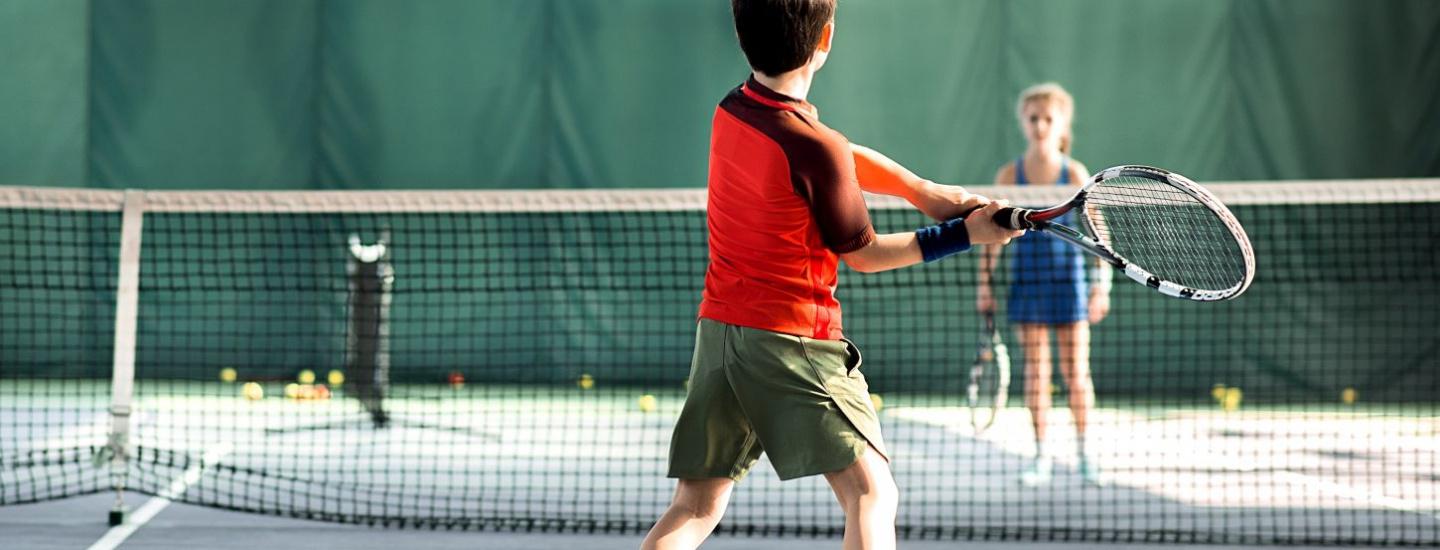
pixel 536 347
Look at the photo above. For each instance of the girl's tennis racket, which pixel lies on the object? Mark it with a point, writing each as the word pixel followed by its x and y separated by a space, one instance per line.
pixel 1163 230
pixel 989 377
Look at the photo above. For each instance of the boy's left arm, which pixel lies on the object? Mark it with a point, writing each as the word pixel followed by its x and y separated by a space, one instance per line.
pixel 878 174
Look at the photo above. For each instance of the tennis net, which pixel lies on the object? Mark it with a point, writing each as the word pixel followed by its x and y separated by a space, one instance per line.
pixel 516 360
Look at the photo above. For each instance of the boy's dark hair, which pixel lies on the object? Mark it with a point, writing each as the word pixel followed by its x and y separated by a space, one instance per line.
pixel 778 36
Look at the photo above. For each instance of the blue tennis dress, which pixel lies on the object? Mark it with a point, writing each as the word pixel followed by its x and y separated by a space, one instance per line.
pixel 1047 276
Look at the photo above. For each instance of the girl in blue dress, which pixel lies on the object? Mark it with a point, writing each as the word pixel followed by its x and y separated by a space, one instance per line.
pixel 1048 287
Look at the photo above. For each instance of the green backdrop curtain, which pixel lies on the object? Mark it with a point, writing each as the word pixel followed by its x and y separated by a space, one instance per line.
pixel 271 94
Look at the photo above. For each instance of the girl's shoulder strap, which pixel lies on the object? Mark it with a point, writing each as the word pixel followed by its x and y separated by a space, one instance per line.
pixel 1020 171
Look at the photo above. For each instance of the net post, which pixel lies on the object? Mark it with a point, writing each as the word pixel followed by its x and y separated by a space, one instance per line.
pixel 122 383
pixel 368 305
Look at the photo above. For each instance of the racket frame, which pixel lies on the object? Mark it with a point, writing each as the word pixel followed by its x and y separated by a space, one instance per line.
pixel 999 359
pixel 1041 220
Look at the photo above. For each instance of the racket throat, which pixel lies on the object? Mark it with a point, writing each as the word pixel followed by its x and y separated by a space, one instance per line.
pixel 1165 287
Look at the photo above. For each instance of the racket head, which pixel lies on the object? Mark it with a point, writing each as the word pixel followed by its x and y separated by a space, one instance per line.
pixel 989 384
pixel 1167 232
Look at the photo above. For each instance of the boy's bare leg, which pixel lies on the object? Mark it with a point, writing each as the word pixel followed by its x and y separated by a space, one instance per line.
pixel 693 514
pixel 867 492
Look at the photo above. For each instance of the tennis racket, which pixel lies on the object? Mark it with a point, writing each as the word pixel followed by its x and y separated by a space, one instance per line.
pixel 1163 230
pixel 989 377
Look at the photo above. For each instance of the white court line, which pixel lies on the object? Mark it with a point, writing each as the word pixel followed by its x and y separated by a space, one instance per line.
pixel 1336 489
pixel 1013 441
pixel 119 533
pixel 1353 493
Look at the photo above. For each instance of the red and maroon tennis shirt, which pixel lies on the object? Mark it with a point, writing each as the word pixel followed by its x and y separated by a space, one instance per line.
pixel 783 203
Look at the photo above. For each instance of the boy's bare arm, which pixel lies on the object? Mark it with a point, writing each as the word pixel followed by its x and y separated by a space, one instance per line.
pixel 877 173
pixel 896 250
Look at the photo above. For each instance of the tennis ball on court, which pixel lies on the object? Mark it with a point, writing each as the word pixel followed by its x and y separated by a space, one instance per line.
pixel 648 403
pixel 321 392
pixel 1218 392
pixel 252 391
pixel 1348 396
pixel 307 376
pixel 292 390
pixel 878 402
pixel 1232 399
pixel 336 378
pixel 586 382
pixel 1054 389
pixel 227 375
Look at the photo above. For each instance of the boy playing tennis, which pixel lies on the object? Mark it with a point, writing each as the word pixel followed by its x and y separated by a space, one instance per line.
pixel 772 371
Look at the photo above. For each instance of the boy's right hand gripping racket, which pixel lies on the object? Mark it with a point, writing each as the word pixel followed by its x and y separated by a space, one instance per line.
pixel 989 377
pixel 1163 230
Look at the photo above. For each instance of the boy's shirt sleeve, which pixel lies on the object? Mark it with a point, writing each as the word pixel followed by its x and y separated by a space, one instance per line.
pixel 823 173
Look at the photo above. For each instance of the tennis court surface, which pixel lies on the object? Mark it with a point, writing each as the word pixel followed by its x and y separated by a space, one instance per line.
pixel 378 363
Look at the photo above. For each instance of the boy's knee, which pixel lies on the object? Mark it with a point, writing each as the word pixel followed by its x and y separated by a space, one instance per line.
pixel 872 489
pixel 886 495
pixel 702 499
pixel 881 497
pixel 701 508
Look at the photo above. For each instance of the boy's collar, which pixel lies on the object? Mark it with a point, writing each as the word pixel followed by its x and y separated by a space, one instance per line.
pixel 759 92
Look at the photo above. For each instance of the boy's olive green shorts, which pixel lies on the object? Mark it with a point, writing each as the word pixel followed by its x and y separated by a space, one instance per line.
pixel 802 401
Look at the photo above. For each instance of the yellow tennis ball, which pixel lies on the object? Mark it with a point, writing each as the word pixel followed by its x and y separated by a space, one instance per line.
pixel 252 391
pixel 1218 392
pixel 877 401
pixel 292 390
pixel 228 375
pixel 1233 396
pixel 1348 396
pixel 1054 389
pixel 586 382
pixel 336 378
pixel 648 403
pixel 307 376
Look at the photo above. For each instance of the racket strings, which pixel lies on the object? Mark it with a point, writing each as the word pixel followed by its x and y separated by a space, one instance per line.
pixel 1166 231
pixel 1170 234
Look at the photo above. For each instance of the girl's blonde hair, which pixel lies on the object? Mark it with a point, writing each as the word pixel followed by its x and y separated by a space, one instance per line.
pixel 1052 93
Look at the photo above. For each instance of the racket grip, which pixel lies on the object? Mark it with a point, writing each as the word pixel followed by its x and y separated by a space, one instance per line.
pixel 1014 218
